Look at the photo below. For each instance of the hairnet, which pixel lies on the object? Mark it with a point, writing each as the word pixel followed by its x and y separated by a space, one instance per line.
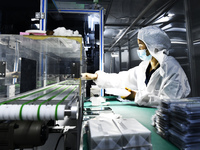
pixel 155 39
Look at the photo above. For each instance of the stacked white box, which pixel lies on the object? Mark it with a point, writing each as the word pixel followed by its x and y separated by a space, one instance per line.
pixel 139 148
pixel 134 134
pixel 116 134
pixel 104 135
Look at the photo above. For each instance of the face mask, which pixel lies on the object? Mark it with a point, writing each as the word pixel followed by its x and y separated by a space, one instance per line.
pixel 143 55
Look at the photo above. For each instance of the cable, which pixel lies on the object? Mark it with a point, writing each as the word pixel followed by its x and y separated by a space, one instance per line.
pixel 59 140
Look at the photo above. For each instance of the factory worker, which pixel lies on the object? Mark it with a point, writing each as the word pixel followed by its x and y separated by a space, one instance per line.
pixel 157 77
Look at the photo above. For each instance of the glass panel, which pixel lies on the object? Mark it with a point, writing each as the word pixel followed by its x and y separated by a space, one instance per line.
pixel 37 61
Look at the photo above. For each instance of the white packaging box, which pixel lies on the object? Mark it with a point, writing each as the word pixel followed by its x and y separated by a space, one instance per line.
pixel 104 135
pixel 139 148
pixel 134 134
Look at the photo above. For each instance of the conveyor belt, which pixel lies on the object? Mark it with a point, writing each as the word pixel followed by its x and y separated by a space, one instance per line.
pixel 45 104
pixel 62 90
pixel 33 96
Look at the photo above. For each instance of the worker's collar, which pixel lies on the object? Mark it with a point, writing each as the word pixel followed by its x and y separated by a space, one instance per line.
pixel 153 68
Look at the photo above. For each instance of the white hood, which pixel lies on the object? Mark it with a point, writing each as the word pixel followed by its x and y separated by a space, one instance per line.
pixel 156 40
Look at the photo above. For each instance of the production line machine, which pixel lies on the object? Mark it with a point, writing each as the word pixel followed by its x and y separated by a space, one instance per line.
pixel 41 93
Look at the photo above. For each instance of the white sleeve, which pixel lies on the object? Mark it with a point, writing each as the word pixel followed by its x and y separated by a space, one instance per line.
pixel 121 80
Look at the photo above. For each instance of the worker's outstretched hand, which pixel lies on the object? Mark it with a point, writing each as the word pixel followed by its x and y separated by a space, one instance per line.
pixel 89 76
pixel 131 96
pixel 15 74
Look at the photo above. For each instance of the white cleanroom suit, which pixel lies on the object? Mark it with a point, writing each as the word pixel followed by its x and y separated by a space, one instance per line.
pixel 168 81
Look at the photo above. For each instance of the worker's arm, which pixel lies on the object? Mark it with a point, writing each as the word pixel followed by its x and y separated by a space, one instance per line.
pixel 13 74
pixel 89 76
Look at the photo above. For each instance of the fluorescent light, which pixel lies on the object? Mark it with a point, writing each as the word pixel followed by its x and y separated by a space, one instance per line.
pixel 113 54
pixel 92 19
pixel 34 19
pixel 164 18
pixel 170 15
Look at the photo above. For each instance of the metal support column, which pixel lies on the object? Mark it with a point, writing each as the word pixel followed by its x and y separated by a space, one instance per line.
pixel 43 13
pixel 101 50
pixel 120 58
pixel 16 63
pixel 129 54
pixel 191 53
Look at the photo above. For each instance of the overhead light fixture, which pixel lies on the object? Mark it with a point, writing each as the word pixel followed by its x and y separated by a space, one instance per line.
pixel 113 54
pixel 35 19
pixel 165 18
pixel 92 20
